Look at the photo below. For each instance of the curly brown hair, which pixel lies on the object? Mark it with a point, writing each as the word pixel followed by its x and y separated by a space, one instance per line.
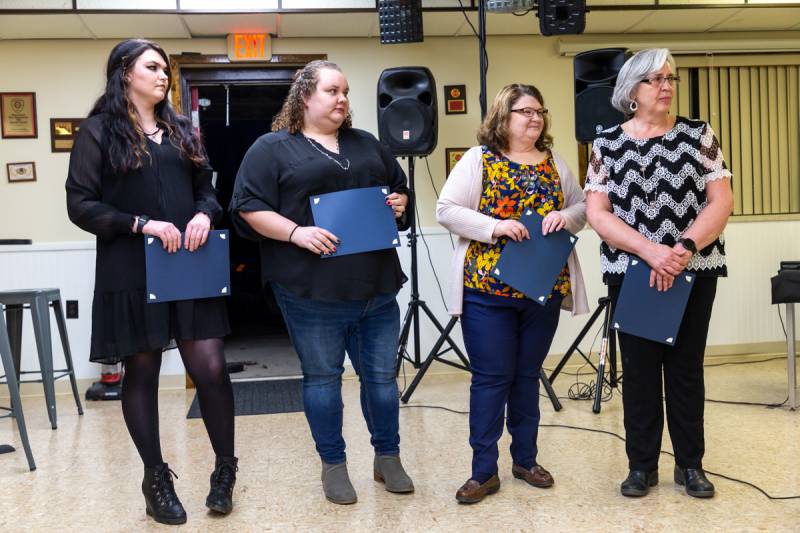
pixel 290 117
pixel 494 129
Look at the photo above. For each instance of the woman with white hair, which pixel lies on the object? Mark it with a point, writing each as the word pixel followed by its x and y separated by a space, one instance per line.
pixel 658 188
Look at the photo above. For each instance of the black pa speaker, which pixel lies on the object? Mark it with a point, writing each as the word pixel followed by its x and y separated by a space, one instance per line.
pixel 562 17
pixel 400 21
pixel 407 118
pixel 595 75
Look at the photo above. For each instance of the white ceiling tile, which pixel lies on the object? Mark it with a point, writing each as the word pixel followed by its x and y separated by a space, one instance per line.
pixel 682 20
pixel 118 26
pixel 328 25
pixel 35 4
pixel 613 21
pixel 228 5
pixel 43 27
pixel 127 4
pixel 328 4
pixel 217 25
pixel 760 19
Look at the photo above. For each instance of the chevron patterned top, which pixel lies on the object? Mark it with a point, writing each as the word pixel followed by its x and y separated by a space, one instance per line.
pixel 657 187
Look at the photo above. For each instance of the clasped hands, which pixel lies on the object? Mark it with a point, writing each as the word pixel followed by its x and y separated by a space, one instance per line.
pixel 195 236
pixel 666 262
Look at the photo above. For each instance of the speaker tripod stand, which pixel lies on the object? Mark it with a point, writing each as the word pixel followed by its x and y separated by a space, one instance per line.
pixel 412 317
pixel 608 353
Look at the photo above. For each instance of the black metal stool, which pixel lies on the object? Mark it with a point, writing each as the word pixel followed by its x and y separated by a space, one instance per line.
pixel 39 300
pixel 15 411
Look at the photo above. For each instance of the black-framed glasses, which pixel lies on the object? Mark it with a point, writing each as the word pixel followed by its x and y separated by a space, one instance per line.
pixel 530 112
pixel 658 80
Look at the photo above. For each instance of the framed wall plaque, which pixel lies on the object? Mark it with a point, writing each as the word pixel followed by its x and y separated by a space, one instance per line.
pixel 63 132
pixel 451 157
pixel 18 111
pixel 19 172
pixel 455 99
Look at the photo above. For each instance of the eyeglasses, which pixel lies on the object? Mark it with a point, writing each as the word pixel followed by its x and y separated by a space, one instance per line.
pixel 530 112
pixel 659 80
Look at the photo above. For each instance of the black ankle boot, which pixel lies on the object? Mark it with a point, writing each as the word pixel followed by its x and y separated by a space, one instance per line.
pixel 638 483
pixel 223 478
pixel 159 496
pixel 695 481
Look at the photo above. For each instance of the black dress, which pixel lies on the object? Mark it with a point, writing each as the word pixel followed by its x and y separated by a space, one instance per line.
pixel 279 173
pixel 167 187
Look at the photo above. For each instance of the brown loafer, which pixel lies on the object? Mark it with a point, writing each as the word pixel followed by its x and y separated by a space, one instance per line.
pixel 473 492
pixel 536 476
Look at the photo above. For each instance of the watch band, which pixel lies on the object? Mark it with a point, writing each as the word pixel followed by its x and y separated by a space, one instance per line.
pixel 143 219
pixel 688 244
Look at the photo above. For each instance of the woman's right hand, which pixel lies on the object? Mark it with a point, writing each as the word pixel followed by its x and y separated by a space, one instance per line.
pixel 166 231
pixel 513 229
pixel 317 240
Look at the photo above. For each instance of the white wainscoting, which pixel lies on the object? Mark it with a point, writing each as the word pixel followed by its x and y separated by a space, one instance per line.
pixel 742 312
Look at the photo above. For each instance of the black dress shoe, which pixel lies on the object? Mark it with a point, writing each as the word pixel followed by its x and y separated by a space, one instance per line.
pixel 695 481
pixel 223 478
pixel 161 502
pixel 638 483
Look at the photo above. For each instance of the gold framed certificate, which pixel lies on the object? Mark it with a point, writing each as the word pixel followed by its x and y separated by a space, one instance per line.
pixel 18 112
pixel 63 132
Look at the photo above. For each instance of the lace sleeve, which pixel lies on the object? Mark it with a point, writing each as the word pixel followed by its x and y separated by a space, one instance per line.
pixel 597 173
pixel 711 157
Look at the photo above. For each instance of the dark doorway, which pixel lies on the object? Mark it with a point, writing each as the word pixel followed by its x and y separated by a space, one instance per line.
pixel 234 108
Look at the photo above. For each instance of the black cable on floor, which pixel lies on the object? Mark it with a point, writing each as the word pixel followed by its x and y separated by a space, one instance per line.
pixel 621 438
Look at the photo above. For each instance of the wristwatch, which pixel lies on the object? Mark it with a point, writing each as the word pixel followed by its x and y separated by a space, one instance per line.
pixel 688 244
pixel 143 219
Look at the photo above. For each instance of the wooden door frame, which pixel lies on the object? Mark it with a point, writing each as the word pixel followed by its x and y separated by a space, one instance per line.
pixel 181 64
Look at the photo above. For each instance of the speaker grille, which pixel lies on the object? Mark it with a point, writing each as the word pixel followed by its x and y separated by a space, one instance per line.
pixel 400 21
pixel 593 113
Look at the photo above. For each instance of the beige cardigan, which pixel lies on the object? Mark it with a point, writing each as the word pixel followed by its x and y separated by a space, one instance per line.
pixel 457 210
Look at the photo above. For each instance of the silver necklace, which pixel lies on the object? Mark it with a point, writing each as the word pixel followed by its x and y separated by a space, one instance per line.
pixel 346 166
pixel 643 168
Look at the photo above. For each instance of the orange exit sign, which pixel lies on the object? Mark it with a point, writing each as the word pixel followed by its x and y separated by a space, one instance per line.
pixel 249 47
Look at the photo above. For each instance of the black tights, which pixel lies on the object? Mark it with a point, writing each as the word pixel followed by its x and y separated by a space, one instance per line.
pixel 205 362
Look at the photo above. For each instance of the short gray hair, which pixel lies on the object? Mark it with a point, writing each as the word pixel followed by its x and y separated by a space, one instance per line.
pixel 638 67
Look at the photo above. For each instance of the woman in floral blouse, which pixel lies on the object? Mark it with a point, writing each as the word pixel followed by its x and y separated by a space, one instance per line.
pixel 507 334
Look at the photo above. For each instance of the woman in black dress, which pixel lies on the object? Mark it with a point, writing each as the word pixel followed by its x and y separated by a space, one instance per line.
pixel 138 168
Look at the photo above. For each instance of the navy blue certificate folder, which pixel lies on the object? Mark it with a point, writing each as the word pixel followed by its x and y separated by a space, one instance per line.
pixel 360 219
pixel 644 311
pixel 186 275
pixel 533 265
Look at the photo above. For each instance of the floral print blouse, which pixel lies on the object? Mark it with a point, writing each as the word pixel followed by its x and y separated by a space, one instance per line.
pixel 509 189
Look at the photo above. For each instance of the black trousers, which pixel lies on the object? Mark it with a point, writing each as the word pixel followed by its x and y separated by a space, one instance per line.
pixel 643 362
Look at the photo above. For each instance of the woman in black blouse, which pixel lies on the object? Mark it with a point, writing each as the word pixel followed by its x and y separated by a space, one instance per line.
pixel 658 188
pixel 138 168
pixel 334 305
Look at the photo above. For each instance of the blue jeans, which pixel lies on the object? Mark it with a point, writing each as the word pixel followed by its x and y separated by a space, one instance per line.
pixel 507 340
pixel 368 330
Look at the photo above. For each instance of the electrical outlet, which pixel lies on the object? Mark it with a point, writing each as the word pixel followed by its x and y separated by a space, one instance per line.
pixel 72 308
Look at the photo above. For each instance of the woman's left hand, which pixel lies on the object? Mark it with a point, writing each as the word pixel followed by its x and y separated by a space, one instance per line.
pixel 196 232
pixel 553 221
pixel 398 203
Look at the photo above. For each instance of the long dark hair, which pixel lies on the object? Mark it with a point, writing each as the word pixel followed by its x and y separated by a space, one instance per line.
pixel 127 145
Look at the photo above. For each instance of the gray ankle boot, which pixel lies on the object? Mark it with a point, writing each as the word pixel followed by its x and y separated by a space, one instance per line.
pixel 389 470
pixel 336 484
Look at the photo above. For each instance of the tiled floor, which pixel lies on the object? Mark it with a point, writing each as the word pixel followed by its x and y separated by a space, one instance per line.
pixel 88 472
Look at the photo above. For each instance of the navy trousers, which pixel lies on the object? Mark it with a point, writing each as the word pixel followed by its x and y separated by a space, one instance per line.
pixel 507 340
